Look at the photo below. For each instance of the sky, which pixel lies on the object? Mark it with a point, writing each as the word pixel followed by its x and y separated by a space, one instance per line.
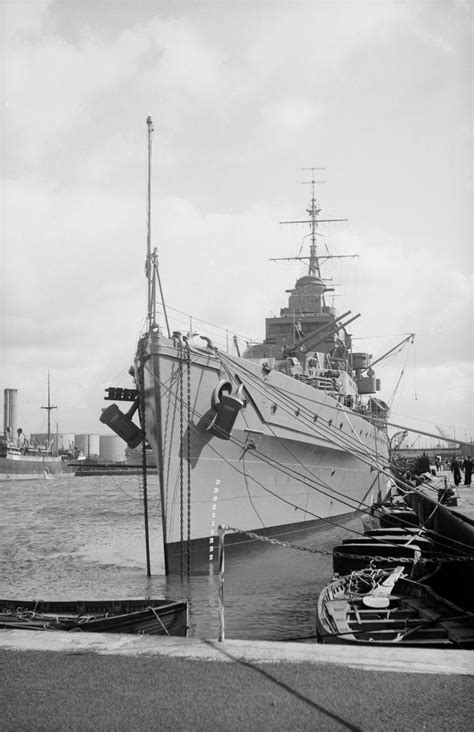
pixel 243 96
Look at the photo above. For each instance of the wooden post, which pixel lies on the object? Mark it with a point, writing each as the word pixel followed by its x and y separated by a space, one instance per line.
pixel 221 583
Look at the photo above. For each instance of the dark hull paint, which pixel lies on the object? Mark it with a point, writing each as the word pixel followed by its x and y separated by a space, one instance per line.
pixel 27 468
pixel 238 544
pixel 152 617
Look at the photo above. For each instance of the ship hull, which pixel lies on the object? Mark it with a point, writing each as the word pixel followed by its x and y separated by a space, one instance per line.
pixel 294 455
pixel 31 468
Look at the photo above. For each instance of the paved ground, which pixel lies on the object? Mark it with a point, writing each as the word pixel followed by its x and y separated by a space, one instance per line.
pixel 75 682
pixel 60 681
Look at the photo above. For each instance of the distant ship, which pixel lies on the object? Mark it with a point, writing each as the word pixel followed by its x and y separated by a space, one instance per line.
pixel 21 459
pixel 271 441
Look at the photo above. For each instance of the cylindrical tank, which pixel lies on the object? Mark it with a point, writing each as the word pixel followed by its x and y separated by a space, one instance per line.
pixel 94 445
pixel 360 360
pixel 88 444
pixel 10 412
pixel 112 449
pixel 65 440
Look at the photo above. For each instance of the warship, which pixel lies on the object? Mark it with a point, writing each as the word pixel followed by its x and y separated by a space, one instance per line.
pixel 271 441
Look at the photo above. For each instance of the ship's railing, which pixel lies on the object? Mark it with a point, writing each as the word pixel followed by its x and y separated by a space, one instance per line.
pixel 224 339
pixel 324 383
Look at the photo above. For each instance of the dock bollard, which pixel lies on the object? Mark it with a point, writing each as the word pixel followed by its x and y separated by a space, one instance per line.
pixel 222 530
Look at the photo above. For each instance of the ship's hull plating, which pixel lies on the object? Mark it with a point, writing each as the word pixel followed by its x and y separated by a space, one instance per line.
pixel 294 457
pixel 31 468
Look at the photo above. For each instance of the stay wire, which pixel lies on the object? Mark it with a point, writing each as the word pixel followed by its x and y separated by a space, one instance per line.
pixel 291 473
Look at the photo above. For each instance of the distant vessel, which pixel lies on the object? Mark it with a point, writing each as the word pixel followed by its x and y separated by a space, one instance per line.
pixel 21 459
pixel 271 441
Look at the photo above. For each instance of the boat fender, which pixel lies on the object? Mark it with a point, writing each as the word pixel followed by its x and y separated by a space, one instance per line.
pixel 227 412
pixel 223 387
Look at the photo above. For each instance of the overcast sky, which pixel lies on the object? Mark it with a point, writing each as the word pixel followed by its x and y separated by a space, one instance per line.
pixel 243 95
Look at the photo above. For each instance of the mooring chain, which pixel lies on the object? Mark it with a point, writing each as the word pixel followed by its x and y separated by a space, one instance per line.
pixel 431 558
pixel 181 475
pixel 266 539
pixel 301 548
pixel 141 407
pixel 188 445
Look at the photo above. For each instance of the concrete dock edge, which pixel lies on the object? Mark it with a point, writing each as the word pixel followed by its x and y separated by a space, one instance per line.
pixel 402 660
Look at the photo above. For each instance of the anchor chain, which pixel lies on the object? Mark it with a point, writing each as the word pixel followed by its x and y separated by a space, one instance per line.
pixel 258 537
pixel 181 472
pixel 141 411
pixel 188 456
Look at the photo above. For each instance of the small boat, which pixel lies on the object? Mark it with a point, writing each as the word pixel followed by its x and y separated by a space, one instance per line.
pixel 383 607
pixel 137 616
pixel 389 514
pixel 397 531
pixel 380 551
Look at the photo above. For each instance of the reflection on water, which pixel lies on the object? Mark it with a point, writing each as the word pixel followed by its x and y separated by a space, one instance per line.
pixel 84 537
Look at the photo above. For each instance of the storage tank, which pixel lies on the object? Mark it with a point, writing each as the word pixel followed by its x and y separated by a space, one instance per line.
pixel 65 440
pixel 88 444
pixel 112 449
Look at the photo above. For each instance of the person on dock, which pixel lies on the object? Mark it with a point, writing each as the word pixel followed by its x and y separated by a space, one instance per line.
pixel 467 467
pixel 456 471
pixel 438 462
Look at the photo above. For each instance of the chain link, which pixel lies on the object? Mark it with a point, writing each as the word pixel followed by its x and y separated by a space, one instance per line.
pixel 181 476
pixel 144 481
pixel 301 548
pixel 188 547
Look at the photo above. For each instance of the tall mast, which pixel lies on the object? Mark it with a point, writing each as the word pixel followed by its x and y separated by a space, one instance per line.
pixel 49 408
pixel 149 265
pixel 313 212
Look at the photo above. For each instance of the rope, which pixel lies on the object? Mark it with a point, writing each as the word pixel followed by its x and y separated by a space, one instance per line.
pixel 313 423
pixel 159 619
pixel 300 547
pixel 305 480
pixel 344 442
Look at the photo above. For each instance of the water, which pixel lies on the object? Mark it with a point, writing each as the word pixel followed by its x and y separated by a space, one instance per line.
pixel 68 537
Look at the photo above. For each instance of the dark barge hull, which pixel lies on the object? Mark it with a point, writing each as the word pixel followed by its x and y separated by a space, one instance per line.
pixel 137 616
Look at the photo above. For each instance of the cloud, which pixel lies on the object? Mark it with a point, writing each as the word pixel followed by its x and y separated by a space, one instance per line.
pixel 240 102
pixel 287 118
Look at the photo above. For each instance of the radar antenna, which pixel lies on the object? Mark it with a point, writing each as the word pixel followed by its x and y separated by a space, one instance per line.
pixel 313 221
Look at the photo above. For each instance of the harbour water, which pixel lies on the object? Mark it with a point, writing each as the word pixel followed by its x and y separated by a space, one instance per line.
pixel 71 537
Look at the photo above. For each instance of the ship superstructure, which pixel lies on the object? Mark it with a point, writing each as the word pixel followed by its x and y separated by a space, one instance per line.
pixel 310 342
